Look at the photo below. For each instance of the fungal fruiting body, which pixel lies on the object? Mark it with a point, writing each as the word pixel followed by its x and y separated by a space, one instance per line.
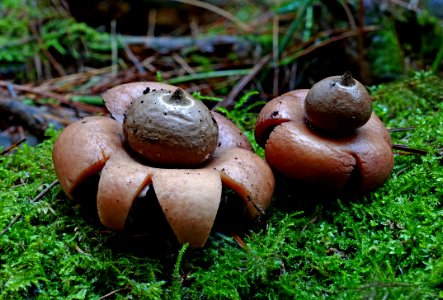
pixel 338 104
pixel 356 159
pixel 189 196
pixel 170 128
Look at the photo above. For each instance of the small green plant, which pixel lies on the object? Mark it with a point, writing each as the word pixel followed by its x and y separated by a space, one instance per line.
pixel 244 115
pixel 28 32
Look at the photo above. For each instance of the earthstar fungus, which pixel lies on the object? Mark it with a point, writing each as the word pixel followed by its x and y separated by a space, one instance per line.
pixel 328 154
pixel 188 193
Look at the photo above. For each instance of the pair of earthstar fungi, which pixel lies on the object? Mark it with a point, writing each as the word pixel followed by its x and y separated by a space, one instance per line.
pixel 159 137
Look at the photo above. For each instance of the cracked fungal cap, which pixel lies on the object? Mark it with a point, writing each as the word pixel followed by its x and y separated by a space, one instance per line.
pixel 189 197
pixel 356 160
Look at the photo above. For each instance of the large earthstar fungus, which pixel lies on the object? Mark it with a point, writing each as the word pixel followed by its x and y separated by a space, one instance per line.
pixel 160 138
pixel 327 138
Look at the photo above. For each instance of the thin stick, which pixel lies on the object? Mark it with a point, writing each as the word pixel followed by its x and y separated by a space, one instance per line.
pixel 152 20
pixel 396 129
pixel 275 54
pixel 58 97
pixel 38 197
pixel 114 50
pixel 13 146
pixel 42 193
pixel 407 149
pixel 219 11
pixel 229 100
pixel 292 76
pixel 132 57
pixel 349 15
pixel 112 293
pixel 183 63
pixel 302 52
pixel 206 75
pixel 13 221
pixel 48 55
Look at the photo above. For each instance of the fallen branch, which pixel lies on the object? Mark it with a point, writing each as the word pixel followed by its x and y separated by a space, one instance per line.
pixel 205 44
pixel 36 121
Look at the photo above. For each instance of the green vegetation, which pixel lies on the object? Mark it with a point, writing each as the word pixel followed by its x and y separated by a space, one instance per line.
pixel 36 34
pixel 244 114
pixel 387 245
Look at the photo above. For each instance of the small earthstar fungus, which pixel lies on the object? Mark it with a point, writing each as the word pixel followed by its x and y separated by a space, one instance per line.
pixel 160 138
pixel 327 137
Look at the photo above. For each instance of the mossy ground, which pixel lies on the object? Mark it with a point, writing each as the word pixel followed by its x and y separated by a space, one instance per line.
pixel 387 245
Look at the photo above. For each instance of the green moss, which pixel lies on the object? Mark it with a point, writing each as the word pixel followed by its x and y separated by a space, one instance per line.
pixel 388 244
pixel 59 34
pixel 385 53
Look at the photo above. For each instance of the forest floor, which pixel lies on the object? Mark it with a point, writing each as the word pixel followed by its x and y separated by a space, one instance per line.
pixel 387 244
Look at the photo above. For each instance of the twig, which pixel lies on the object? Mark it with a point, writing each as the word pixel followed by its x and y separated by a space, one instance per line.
pixel 302 52
pixel 132 57
pixel 152 19
pixel 67 81
pixel 38 197
pixel 384 284
pixel 206 75
pixel 185 66
pixel 349 15
pixel 230 98
pixel 275 54
pixel 243 26
pixel 240 241
pixel 48 55
pixel 312 221
pixel 113 293
pixel 13 146
pixel 114 50
pixel 58 97
pixel 13 221
pixel 408 149
pixel 292 77
pixel 396 129
pixel 16 43
pixel 47 189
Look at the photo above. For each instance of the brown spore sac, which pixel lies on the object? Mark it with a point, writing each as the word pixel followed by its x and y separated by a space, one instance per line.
pixel 338 105
pixel 170 128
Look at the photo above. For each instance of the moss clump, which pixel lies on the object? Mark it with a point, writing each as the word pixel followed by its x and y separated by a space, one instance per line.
pixel 387 244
